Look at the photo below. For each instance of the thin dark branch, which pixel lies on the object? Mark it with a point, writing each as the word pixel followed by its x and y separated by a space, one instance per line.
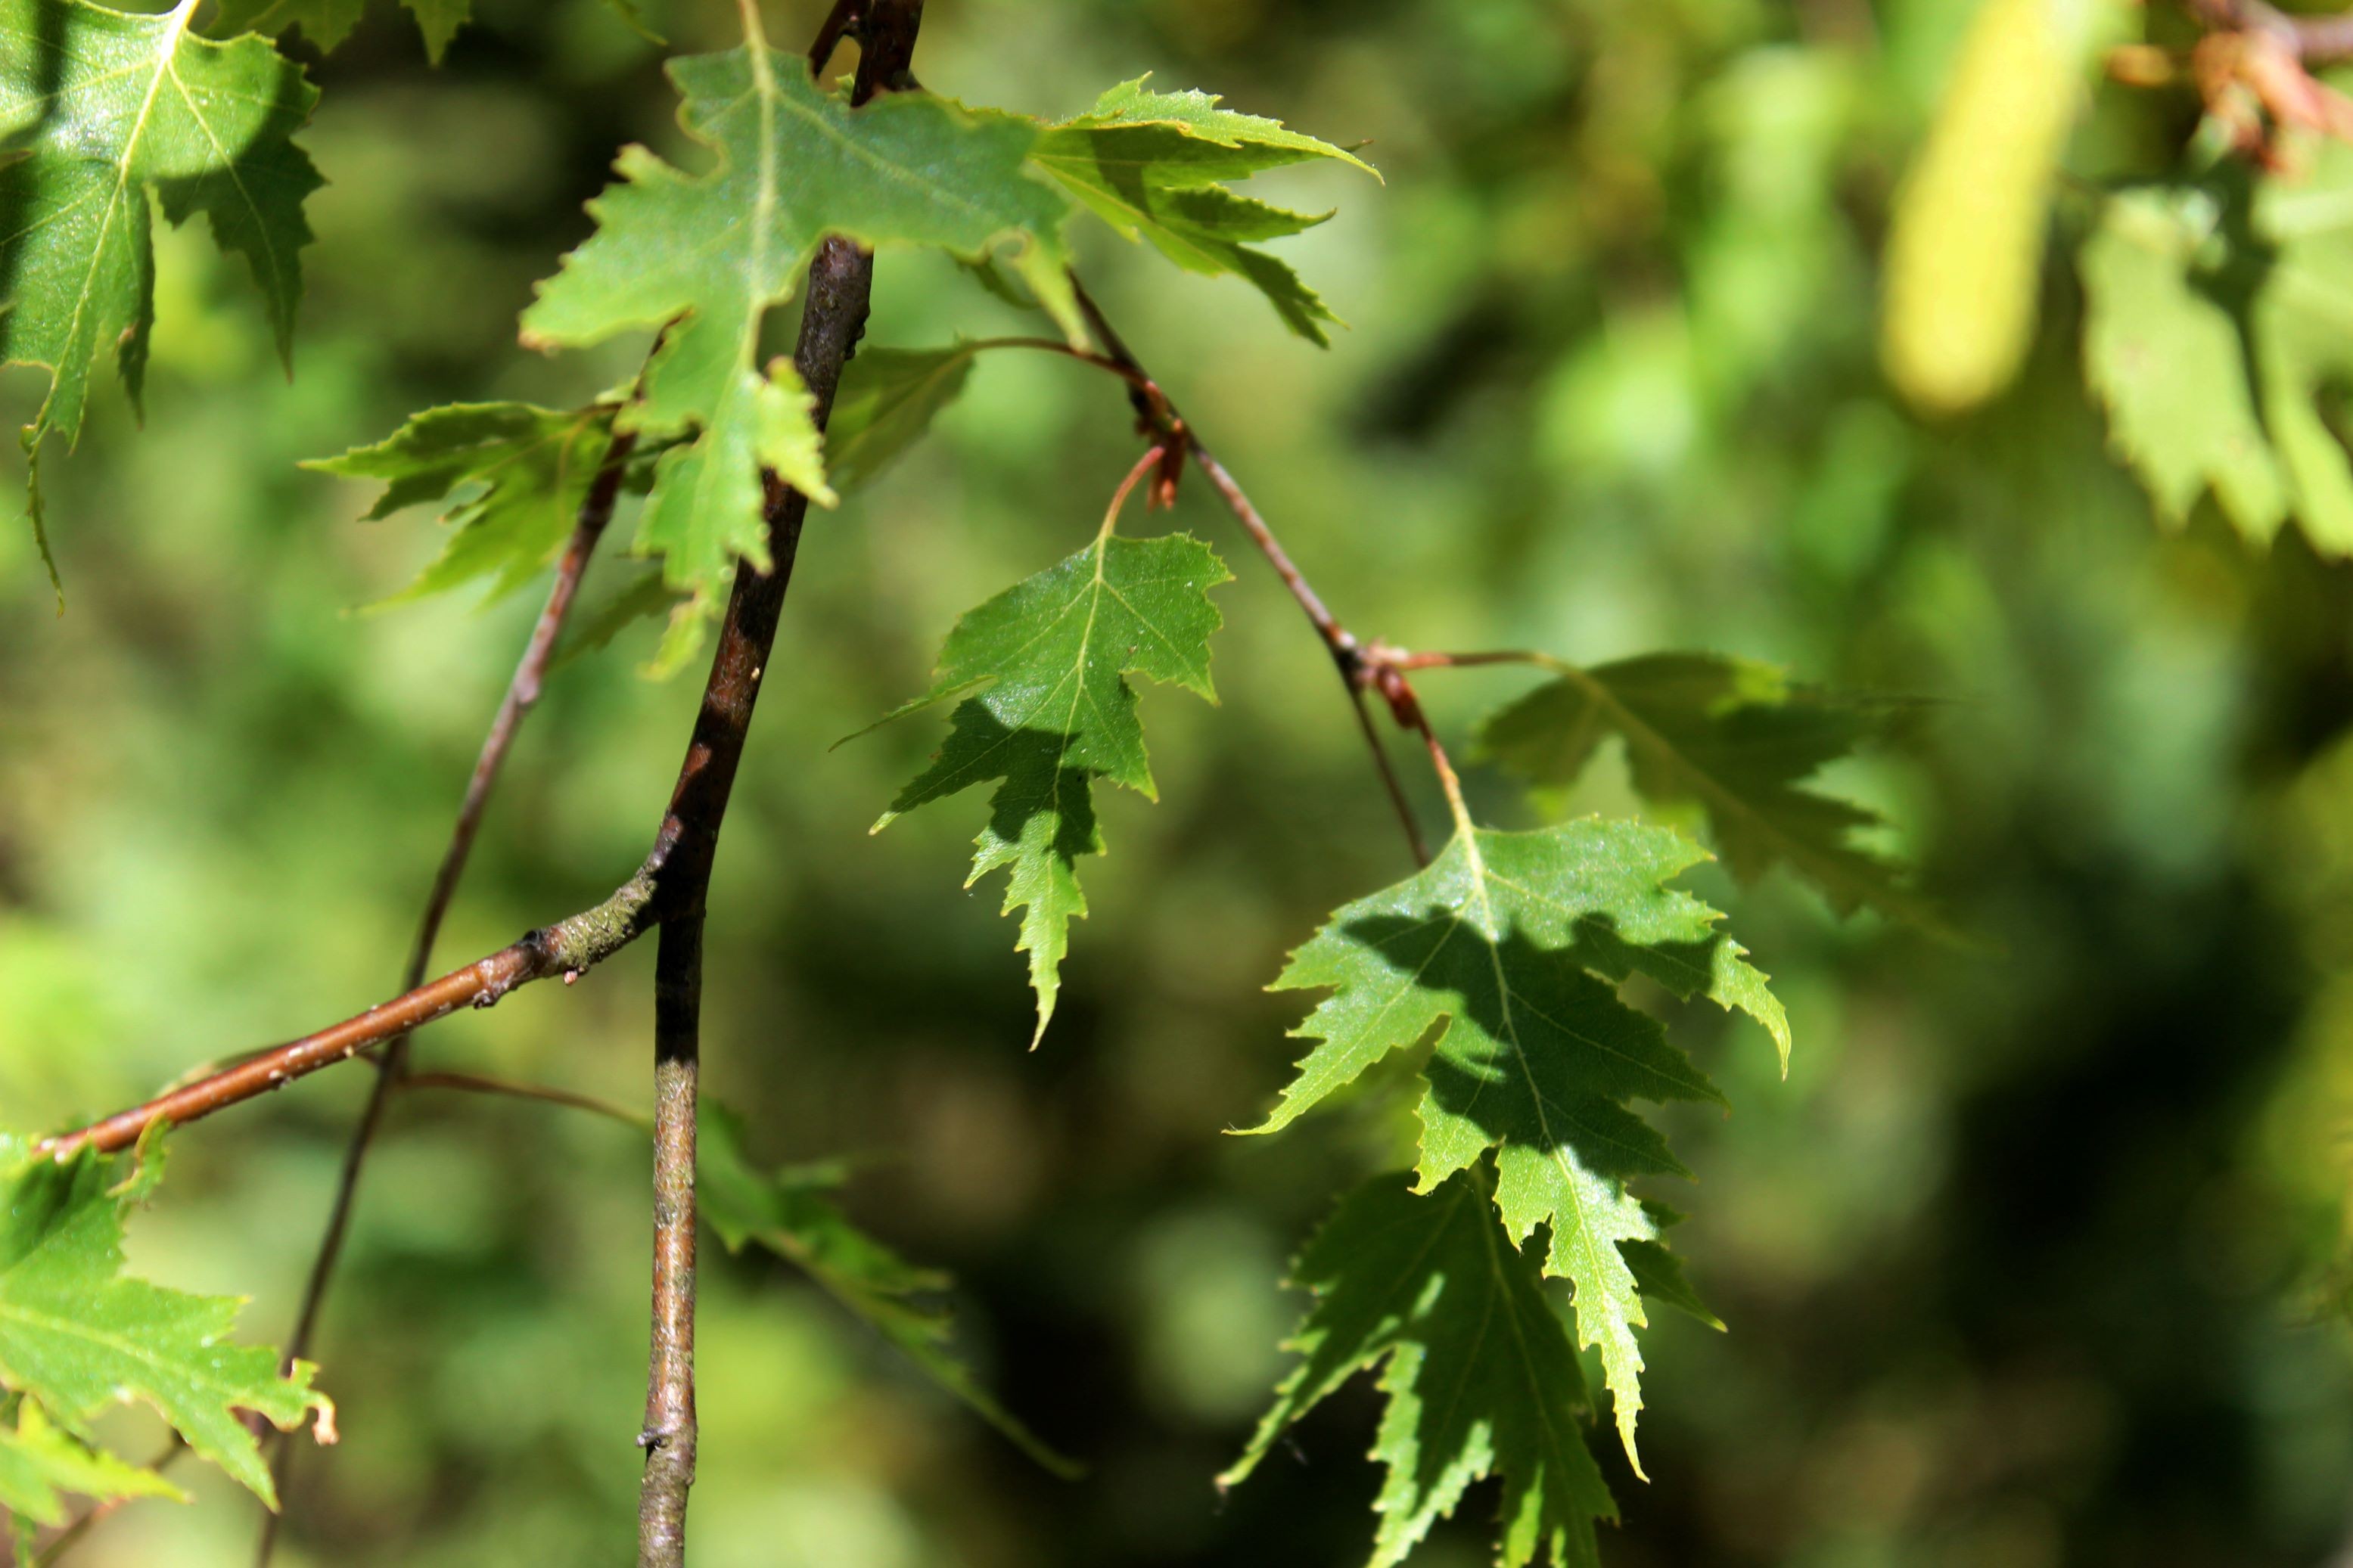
pixel 1389 780
pixel 571 946
pixel 832 322
pixel 841 283
pixel 839 23
pixel 521 695
pixel 670 1431
pixel 1158 415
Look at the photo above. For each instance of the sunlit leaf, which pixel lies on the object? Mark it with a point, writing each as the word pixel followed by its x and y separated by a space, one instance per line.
pixel 37 1463
pixel 2217 333
pixel 80 1337
pixel 1509 948
pixel 1155 165
pixel 1047 710
pixel 521 471
pixel 103 114
pixel 711 255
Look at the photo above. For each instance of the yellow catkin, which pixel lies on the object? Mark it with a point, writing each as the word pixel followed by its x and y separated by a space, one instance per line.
pixel 1965 251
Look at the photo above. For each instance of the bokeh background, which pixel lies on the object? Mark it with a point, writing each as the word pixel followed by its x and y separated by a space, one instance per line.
pixel 2031 1261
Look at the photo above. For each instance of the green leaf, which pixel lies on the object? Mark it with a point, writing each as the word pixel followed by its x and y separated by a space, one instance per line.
pixel 1154 166
pixel 1509 947
pixel 37 1462
pixel 792 1214
pixel 102 114
pixel 523 472
pixel 80 1337
pixel 887 400
pixel 1048 710
pixel 1481 1378
pixel 1736 738
pixel 711 255
pixel 645 598
pixel 2215 327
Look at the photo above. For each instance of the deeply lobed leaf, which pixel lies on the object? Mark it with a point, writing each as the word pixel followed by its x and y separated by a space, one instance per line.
pixel 1735 737
pixel 1048 710
pixel 102 112
pixel 77 1336
pixel 710 254
pixel 522 473
pixel 889 398
pixel 1480 1379
pixel 1508 949
pixel 1153 165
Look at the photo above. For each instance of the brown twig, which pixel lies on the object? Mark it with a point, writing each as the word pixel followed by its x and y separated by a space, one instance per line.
pixel 571 946
pixel 838 283
pixel 1156 413
pixel 1399 659
pixel 521 695
pixel 841 282
pixel 544 1094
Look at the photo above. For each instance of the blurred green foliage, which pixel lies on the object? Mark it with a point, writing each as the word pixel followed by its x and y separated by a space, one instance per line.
pixel 2027 1263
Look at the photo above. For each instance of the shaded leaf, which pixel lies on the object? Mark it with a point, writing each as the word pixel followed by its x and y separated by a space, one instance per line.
pixel 102 113
pixel 1480 1379
pixel 1154 166
pixel 887 400
pixel 1048 710
pixel 1659 1273
pixel 80 1337
pixel 1736 738
pixel 712 253
pixel 1508 948
pixel 522 472
pixel 792 1214
pixel 646 598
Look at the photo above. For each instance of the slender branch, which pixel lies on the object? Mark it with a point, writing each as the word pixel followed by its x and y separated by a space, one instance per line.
pixel 1129 373
pixel 668 1436
pixel 521 695
pixel 545 1094
pixel 840 282
pixel 839 23
pixel 1389 780
pixel 570 947
pixel 1158 414
pixel 1399 658
pixel 832 322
